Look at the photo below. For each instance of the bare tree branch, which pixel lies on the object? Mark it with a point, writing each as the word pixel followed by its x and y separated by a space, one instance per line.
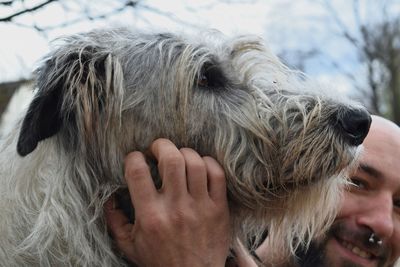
pixel 86 13
pixel 6 3
pixel 356 13
pixel 27 10
pixel 378 47
pixel 169 15
pixel 86 16
pixel 346 34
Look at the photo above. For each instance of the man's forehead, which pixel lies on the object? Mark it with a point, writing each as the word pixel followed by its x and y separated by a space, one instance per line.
pixel 381 155
pixel 383 138
pixel 383 128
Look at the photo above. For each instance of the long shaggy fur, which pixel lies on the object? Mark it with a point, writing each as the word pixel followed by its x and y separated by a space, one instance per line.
pixel 105 93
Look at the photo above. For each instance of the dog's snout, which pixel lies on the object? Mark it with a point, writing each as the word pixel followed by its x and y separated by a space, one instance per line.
pixel 355 125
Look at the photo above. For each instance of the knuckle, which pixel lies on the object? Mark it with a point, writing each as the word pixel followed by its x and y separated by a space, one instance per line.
pixel 184 219
pixel 193 160
pixel 196 166
pixel 189 151
pixel 219 179
pixel 173 160
pixel 152 222
pixel 160 142
pixel 215 168
pixel 220 174
pixel 185 215
pixel 136 170
pixel 133 157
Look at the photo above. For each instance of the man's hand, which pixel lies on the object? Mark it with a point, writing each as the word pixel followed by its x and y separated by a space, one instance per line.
pixel 186 222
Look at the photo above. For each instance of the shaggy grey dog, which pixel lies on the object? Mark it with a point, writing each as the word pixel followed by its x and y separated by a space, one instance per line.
pixel 286 147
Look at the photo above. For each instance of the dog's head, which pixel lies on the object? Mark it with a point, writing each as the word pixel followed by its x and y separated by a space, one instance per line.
pixel 285 147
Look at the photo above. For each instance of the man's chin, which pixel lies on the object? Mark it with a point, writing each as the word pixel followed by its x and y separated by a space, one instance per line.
pixel 338 253
pixel 334 252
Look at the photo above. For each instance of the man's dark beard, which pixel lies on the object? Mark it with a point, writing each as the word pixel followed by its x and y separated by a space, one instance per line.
pixel 315 256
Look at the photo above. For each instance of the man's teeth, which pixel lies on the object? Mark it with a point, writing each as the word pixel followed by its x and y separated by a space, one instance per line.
pixel 356 250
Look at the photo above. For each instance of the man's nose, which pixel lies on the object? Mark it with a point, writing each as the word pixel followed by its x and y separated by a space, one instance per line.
pixel 379 216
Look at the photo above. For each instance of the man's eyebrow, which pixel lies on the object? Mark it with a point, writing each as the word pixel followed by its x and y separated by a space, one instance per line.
pixel 370 170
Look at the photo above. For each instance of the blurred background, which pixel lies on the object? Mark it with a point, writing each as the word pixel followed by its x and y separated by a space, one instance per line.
pixel 354 45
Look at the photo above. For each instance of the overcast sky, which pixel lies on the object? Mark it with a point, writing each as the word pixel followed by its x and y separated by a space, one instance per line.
pixel 286 25
pixel 21 47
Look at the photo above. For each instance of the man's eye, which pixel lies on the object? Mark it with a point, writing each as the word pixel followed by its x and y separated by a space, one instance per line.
pixel 358 183
pixel 396 203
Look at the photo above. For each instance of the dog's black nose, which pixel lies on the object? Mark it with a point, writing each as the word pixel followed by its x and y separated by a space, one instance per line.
pixel 355 125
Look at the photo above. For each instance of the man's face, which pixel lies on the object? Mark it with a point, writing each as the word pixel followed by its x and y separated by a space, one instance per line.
pixel 371 205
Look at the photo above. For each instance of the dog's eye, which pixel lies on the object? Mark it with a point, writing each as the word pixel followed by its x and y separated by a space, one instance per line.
pixel 203 81
pixel 211 76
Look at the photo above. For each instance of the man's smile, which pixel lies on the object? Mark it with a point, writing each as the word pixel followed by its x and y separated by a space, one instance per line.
pixel 355 253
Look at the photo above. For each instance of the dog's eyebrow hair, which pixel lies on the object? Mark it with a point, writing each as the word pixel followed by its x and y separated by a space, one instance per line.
pixel 370 170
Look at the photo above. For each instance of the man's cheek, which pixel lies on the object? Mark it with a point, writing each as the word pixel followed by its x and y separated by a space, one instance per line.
pixel 348 205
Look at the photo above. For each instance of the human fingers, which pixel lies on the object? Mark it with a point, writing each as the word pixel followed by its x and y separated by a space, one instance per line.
pixel 120 229
pixel 140 183
pixel 117 223
pixel 216 180
pixel 171 166
pixel 196 173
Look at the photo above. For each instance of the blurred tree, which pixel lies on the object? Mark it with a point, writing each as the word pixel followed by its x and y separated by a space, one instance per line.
pixel 75 11
pixel 27 14
pixel 377 42
pixel 297 58
pixel 34 14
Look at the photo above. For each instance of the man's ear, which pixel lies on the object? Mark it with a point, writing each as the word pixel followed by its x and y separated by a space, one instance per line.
pixel 72 83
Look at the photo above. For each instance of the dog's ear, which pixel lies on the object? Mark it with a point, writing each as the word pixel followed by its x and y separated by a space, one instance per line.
pixel 43 118
pixel 74 82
